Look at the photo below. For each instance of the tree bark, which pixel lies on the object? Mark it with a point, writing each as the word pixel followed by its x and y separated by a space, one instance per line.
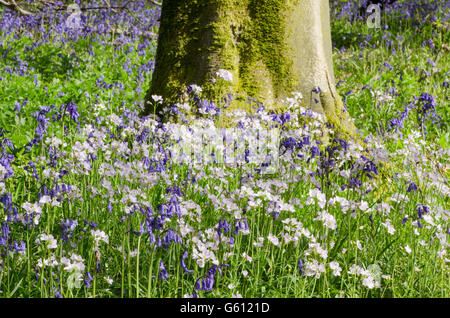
pixel 272 48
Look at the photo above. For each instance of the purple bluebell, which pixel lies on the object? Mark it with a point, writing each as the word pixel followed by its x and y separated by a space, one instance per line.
pixel 300 266
pixel 314 151
pixel 421 210
pixel 19 246
pixel 412 187
pixel 162 271
pixel 57 293
pixel 88 280
pixel 183 264
pixel 223 226
pixel 354 182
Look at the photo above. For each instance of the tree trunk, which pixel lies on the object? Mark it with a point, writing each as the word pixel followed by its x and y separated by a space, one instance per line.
pixel 272 48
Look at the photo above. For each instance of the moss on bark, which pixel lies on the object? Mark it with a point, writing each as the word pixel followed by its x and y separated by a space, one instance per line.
pixel 272 48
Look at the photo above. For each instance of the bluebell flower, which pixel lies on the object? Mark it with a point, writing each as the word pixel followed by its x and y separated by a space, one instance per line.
pixel 421 210
pixel 171 236
pixel 183 264
pixel 67 227
pixel 285 117
pixel 412 187
pixel 57 293
pixel 5 161
pixel 314 151
pixel 173 207
pixel 431 62
pixel 32 168
pixel 370 167
pixel 300 266
pixel 223 226
pixel 343 143
pixel 19 246
pixel 162 271
pixel 389 66
pixel 110 208
pixel 5 230
pixel 8 143
pixel 3 241
pixel 98 266
pixel 354 182
pixel 427 109
pixel 6 199
pixel 88 280
pixel 72 108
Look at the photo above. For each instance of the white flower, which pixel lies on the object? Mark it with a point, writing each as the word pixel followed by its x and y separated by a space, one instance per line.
pixel 297 96
pixel 50 262
pixel 100 236
pixel 442 253
pixel 231 286
pixel 355 270
pixel 134 253
pixel 225 75
pixel 196 89
pixel 336 268
pixel 72 267
pixel 345 205
pixel 389 227
pixel 108 280
pixel 157 98
pixel 260 243
pixel 74 264
pixel 185 106
pixel 313 268
pixel 273 239
pixel 99 107
pixel 368 282
pixel 429 219
pixel 423 243
pixel 45 199
pixel 363 206
pixel 32 208
pixel 328 220
pixel 358 245
pixel 114 119
pixel 245 273
pixel 247 257
pixel 316 193
pixel 316 248
pixel 74 279
pixel 384 207
pixel 202 254
pixel 49 240
pixel 408 249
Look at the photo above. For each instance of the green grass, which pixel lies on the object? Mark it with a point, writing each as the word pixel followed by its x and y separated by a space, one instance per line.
pixel 118 193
